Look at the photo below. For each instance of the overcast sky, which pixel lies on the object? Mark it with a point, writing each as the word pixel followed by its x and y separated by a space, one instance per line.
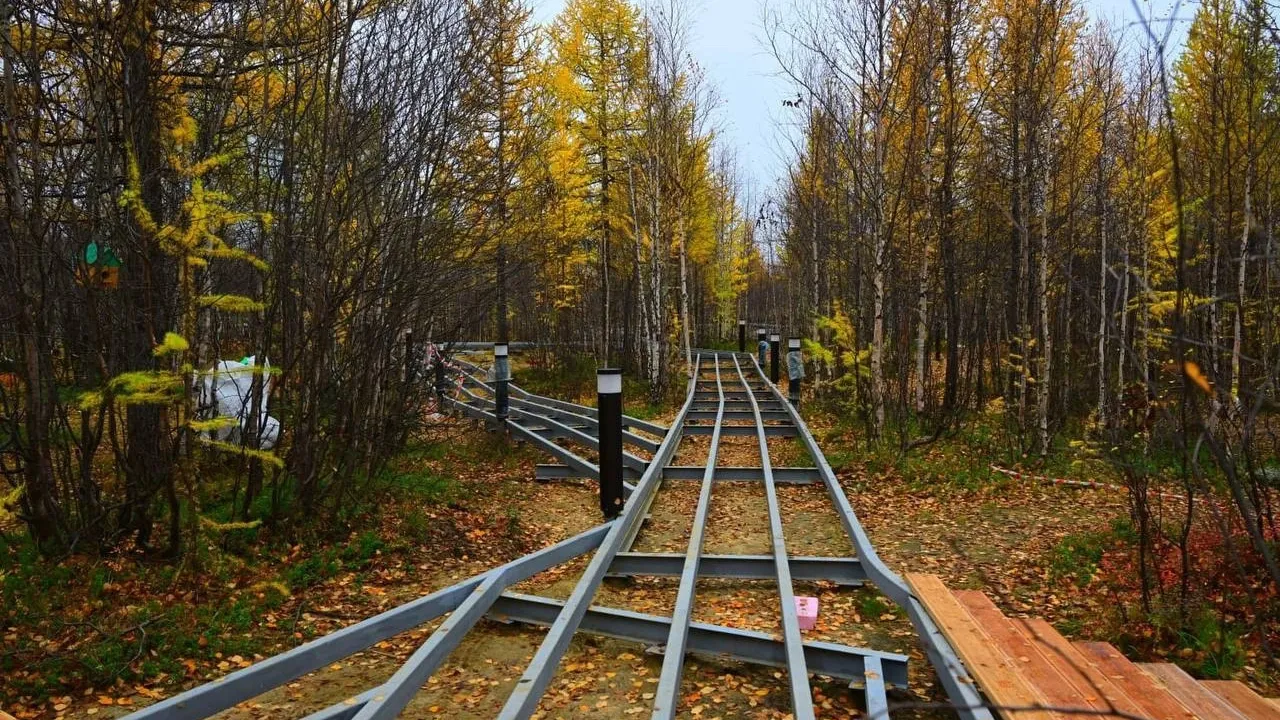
pixel 728 41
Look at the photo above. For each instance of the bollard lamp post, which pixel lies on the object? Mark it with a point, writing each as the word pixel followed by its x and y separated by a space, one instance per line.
pixel 609 422
pixel 501 376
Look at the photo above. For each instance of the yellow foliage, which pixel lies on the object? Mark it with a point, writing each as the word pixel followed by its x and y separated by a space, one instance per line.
pixel 262 456
pixel 172 343
pixel 7 503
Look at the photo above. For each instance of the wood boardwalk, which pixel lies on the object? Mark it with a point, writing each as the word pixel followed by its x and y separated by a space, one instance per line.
pixel 1029 670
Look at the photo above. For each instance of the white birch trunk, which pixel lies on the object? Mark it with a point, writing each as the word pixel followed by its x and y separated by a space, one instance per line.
pixel 922 330
pixel 684 298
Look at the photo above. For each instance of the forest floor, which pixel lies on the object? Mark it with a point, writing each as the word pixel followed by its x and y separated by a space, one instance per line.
pixel 118 635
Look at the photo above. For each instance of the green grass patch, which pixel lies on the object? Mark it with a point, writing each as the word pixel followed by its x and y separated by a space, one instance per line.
pixel 1077 556
pixel 872 607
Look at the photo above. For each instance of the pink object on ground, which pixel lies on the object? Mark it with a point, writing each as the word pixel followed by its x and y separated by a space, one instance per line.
pixel 807 611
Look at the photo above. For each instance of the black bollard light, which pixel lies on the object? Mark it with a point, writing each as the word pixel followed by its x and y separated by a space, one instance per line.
pixel 609 422
pixel 410 362
pixel 742 336
pixel 775 348
pixel 501 375
pixel 440 381
pixel 762 346
pixel 795 370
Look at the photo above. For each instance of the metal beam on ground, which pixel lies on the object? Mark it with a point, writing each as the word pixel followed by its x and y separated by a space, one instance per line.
pixel 564 472
pixel 955 680
pixel 716 641
pixel 668 693
pixel 797 672
pixel 571 459
pixel 523 701
pixel 792 475
pixel 740 415
pixel 241 685
pixel 627 420
pixel 404 684
pixel 742 430
pixel 560 430
pixel 588 423
pixel 843 571
pixel 873 690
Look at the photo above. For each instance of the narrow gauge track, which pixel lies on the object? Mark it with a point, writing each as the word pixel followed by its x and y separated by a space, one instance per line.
pixel 723 387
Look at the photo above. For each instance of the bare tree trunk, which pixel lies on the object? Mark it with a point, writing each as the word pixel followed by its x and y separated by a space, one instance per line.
pixel 922 329
pixel 1046 330
pixel 1122 346
pixel 684 296
pixel 1102 307
pixel 1238 336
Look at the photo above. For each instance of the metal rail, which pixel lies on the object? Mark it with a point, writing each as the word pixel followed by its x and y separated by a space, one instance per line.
pixel 798 674
pixel 226 692
pixel 541 421
pixel 668 693
pixel 533 683
pixel 959 685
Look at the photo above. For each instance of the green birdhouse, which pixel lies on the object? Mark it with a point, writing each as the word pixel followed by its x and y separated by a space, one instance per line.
pixel 99 267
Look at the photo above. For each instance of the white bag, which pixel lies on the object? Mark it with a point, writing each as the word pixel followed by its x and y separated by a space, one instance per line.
pixel 227 391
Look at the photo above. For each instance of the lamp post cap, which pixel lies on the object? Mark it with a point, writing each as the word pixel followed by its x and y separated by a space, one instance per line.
pixel 794 343
pixel 609 381
pixel 500 349
pixel 775 337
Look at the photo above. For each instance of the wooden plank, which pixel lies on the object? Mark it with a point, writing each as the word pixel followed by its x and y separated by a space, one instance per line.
pixel 1195 696
pixel 1073 665
pixel 1156 702
pixel 1052 687
pixel 995 673
pixel 1238 695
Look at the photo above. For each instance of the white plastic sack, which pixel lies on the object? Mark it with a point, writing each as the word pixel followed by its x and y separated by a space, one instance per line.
pixel 227 391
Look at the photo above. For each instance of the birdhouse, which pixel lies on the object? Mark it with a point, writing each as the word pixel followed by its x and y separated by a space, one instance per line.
pixel 99 267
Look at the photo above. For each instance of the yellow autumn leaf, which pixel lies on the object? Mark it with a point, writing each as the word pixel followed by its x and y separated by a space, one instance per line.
pixel 1196 376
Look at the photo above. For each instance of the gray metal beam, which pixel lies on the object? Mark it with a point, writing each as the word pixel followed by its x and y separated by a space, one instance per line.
pixel 877 704
pixel 667 696
pixel 743 406
pixel 844 571
pixel 558 429
pixel 627 420
pixel 564 472
pixel 792 475
pixel 212 698
pixel 717 641
pixel 740 415
pixel 523 701
pixel 955 679
pixel 404 684
pixel 797 672
pixel 571 459
pixel 743 430
pixel 581 422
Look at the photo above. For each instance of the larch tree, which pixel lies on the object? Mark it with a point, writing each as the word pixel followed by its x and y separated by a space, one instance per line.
pixel 602 45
